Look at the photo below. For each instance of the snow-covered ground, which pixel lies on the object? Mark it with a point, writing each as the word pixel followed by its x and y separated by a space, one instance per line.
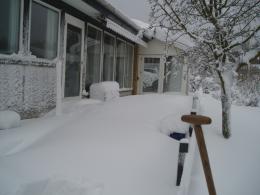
pixel 119 148
pixel 111 148
pixel 234 162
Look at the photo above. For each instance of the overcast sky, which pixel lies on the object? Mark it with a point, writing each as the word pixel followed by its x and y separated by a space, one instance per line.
pixel 138 9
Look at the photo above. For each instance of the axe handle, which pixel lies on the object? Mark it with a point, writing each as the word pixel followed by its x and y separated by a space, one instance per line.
pixel 205 159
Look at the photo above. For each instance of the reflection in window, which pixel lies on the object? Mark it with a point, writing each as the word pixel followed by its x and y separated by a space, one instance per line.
pixel 151 74
pixel 44 31
pixel 124 64
pixel 93 56
pixel 9 26
pixel 120 62
pixel 108 60
pixel 129 67
pixel 172 76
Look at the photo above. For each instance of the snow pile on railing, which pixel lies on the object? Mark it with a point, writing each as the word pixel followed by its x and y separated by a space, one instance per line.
pixel 104 91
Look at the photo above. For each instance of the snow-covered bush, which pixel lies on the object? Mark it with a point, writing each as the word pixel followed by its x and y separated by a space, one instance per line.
pixel 245 93
pixel 9 119
pixel 104 91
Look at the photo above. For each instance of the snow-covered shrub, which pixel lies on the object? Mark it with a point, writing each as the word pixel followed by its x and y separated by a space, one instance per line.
pixel 245 93
pixel 9 119
pixel 104 91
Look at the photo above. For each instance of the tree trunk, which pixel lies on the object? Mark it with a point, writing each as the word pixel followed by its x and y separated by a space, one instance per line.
pixel 226 106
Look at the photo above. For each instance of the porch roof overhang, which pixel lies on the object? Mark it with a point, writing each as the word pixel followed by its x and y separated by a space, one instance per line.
pixel 124 32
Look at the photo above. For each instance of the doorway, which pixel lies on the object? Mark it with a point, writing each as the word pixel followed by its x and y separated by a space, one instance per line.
pixel 159 76
pixel 151 72
pixel 74 51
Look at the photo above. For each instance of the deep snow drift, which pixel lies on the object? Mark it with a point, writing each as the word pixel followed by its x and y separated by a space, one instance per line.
pixel 111 148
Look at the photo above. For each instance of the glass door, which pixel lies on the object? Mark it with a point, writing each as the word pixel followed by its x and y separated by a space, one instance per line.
pixel 151 74
pixel 74 39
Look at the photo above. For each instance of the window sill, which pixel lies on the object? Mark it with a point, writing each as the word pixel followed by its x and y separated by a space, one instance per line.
pixel 19 59
pixel 125 89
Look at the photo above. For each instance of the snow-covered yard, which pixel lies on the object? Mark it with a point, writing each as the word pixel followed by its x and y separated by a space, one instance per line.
pixel 110 148
pixel 234 162
pixel 118 148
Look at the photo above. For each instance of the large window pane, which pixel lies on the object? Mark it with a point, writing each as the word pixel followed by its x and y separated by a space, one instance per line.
pixel 44 31
pixel 9 26
pixel 108 60
pixel 129 66
pixel 120 62
pixel 93 56
pixel 151 74
pixel 172 76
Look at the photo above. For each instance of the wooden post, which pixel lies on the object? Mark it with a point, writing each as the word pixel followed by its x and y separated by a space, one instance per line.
pixel 197 121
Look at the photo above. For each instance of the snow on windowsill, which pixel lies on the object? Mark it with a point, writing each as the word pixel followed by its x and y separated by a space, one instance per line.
pixel 23 59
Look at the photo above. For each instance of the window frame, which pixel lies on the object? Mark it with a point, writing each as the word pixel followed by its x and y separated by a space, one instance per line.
pixel 101 49
pixel 30 24
pixel 20 34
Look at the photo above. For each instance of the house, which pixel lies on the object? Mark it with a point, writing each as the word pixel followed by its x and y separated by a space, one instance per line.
pixel 161 64
pixel 91 40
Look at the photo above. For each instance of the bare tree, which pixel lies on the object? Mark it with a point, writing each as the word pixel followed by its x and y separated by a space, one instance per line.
pixel 216 26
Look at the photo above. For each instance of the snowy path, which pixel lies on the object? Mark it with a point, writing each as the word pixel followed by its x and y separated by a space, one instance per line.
pixel 112 148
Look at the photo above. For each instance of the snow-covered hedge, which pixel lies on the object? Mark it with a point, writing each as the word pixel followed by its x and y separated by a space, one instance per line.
pixel 104 91
pixel 9 119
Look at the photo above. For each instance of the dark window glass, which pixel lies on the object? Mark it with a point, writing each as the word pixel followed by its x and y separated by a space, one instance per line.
pixel 44 31
pixel 93 56
pixel 120 62
pixel 9 26
pixel 108 60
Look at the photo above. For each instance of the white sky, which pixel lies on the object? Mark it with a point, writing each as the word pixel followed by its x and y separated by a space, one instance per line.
pixel 138 9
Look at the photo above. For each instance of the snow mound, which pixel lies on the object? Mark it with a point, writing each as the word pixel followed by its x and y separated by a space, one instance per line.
pixel 172 123
pixel 9 119
pixel 61 186
pixel 104 91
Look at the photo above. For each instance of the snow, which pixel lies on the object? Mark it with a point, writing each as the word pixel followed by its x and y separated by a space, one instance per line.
pixel 115 145
pixel 104 91
pixel 122 31
pixel 9 119
pixel 235 161
pixel 181 41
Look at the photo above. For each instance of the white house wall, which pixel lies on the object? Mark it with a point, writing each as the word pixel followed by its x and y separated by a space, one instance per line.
pixel 156 47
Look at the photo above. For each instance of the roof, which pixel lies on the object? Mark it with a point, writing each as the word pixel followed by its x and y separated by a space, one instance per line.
pixel 115 19
pixel 181 41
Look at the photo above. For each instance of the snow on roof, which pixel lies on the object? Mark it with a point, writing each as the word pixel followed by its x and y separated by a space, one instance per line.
pixel 84 7
pixel 118 13
pixel 122 31
pixel 180 41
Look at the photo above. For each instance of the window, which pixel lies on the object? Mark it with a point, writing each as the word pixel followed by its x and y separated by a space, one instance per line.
pixel 93 56
pixel 124 64
pixel 44 31
pixel 108 59
pixel 120 62
pixel 129 66
pixel 10 25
